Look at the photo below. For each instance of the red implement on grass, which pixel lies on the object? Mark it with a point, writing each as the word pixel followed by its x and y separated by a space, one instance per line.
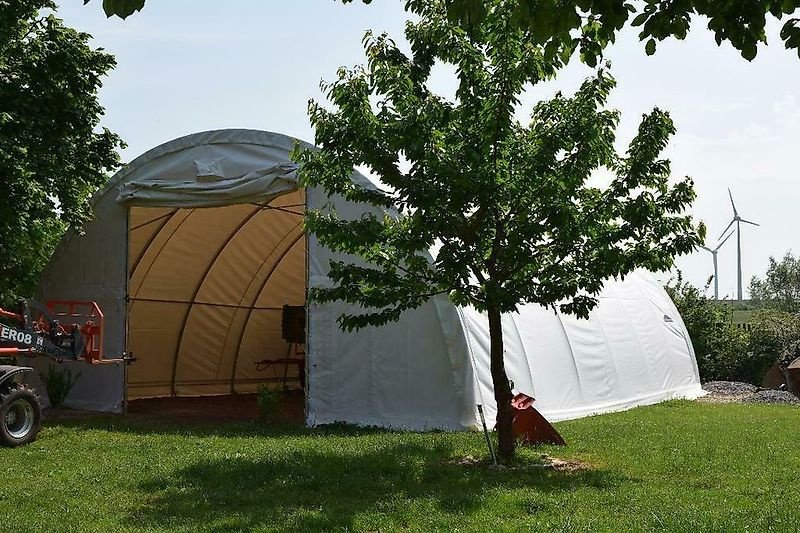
pixel 530 427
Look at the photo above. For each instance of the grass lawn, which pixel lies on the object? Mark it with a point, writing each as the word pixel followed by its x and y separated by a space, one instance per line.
pixel 678 466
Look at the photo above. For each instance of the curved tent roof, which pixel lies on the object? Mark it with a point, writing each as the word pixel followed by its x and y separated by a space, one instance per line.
pixel 197 244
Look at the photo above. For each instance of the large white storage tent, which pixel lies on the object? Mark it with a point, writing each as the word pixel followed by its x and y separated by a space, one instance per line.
pixel 197 244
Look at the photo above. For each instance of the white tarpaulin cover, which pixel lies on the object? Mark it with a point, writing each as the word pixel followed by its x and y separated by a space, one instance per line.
pixel 197 244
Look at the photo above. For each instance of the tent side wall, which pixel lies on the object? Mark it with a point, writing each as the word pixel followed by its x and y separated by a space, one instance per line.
pixel 93 266
pixel 410 374
pixel 633 350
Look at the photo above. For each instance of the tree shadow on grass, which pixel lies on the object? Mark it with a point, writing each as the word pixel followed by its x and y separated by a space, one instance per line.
pixel 326 487
pixel 165 426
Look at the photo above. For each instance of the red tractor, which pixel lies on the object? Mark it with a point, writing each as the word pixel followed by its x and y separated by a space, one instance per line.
pixel 61 331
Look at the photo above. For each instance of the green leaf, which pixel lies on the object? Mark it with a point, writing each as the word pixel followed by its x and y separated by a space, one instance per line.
pixel 120 8
pixel 749 51
pixel 650 47
pixel 640 19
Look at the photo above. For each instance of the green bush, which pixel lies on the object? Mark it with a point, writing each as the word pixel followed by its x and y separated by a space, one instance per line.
pixel 721 349
pixel 774 337
pixel 267 402
pixel 58 382
pixel 726 352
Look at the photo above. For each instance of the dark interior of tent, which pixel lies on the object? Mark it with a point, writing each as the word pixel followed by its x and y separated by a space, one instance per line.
pixel 216 298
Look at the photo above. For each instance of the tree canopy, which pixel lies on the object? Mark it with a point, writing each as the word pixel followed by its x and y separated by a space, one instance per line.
pixel 589 25
pixel 511 205
pixel 780 288
pixel 53 155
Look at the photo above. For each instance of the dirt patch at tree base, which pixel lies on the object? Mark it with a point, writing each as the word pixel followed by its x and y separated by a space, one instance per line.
pixel 548 462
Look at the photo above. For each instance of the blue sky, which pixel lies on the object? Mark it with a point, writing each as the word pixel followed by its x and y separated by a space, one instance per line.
pixel 188 65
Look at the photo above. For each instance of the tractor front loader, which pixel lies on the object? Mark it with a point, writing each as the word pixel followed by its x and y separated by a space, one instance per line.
pixel 38 331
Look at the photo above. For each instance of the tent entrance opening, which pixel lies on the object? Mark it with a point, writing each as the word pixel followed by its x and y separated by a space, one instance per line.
pixel 207 288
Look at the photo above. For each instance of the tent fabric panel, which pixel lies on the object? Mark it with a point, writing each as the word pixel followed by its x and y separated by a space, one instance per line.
pixel 477 333
pixel 92 266
pixel 144 251
pixel 260 186
pixel 537 351
pixel 97 389
pixel 201 344
pixel 232 159
pixel 221 262
pixel 629 360
pixel 656 356
pixel 681 344
pixel 237 330
pixel 349 380
pixel 619 358
pixel 454 338
pixel 517 367
pixel 148 218
pixel 143 390
pixel 263 340
pixel 202 351
pixel 338 387
pixel 210 175
pixel 183 262
pixel 596 370
pixel 241 268
pixel 143 227
pixel 287 284
pixel 171 281
pixel 153 340
pixel 549 354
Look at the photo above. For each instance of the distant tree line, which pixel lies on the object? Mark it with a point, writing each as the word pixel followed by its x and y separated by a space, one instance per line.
pixel 727 352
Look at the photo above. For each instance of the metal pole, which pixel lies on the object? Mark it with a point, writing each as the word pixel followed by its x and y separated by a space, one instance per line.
pixel 716 277
pixel 739 262
pixel 486 434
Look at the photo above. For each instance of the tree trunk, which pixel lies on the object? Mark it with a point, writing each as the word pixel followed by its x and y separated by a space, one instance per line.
pixel 502 388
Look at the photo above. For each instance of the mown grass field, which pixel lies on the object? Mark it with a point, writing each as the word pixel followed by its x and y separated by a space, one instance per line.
pixel 678 466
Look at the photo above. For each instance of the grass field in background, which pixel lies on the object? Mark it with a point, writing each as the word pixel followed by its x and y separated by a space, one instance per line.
pixel 678 466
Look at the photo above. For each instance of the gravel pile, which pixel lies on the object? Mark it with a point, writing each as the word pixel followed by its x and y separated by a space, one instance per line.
pixel 735 391
pixel 772 396
pixel 729 387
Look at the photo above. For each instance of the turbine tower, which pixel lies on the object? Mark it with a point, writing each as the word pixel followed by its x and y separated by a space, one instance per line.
pixel 713 252
pixel 737 220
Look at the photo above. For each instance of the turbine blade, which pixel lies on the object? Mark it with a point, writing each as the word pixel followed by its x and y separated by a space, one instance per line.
pixel 735 213
pixel 748 222
pixel 706 248
pixel 724 240
pixel 726 229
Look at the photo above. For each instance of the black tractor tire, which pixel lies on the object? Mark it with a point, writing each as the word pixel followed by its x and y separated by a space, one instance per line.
pixel 20 415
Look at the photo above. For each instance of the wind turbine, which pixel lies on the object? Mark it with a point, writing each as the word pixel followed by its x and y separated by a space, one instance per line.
pixel 737 220
pixel 713 252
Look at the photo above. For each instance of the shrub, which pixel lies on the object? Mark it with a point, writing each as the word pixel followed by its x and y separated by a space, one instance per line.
pixel 780 288
pixel 267 402
pixel 721 349
pixel 58 383
pixel 774 337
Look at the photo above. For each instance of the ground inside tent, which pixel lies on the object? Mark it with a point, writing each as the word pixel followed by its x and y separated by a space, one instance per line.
pixel 199 409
